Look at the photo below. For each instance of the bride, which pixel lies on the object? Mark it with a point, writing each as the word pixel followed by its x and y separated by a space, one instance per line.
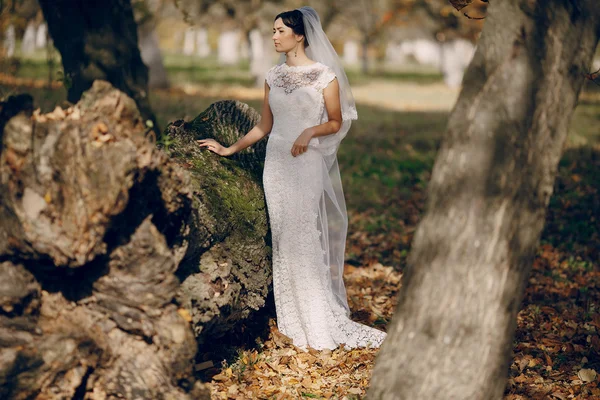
pixel 307 110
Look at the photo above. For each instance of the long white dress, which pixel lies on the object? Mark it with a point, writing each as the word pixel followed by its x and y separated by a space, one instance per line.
pixel 307 310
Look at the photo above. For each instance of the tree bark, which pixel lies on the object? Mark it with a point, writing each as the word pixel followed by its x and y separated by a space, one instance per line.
pixel 97 40
pixel 89 243
pixel 226 273
pixel 451 335
pixel 99 227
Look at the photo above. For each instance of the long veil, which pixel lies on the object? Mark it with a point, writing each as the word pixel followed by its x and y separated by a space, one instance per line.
pixel 333 217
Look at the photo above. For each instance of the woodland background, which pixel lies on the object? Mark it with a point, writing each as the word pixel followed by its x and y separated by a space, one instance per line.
pixel 404 98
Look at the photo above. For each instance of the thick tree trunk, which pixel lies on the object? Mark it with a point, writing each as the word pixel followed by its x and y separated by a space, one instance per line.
pixel 97 39
pixel 97 227
pixel 89 243
pixel 451 335
pixel 226 272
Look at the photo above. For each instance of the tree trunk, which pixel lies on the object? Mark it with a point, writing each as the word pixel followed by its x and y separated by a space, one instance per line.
pixel 229 47
pixel 10 41
pixel 260 57
pixel 28 42
pixel 189 37
pixel 89 246
pixel 202 45
pixel 98 230
pixel 451 335
pixel 98 40
pixel 152 56
pixel 351 52
pixel 365 56
pixel 226 273
pixel 41 36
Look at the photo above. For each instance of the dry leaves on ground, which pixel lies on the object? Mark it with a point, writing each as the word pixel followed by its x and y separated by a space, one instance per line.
pixel 282 371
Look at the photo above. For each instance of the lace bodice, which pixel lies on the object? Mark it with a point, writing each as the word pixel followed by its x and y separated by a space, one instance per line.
pixel 296 98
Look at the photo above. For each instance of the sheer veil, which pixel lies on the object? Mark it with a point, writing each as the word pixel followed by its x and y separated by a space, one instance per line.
pixel 333 217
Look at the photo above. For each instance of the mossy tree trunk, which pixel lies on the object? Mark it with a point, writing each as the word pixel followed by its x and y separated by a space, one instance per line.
pixel 451 335
pixel 97 227
pixel 226 273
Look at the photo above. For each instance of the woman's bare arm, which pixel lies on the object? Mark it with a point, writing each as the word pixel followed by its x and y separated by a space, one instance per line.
pixel 331 95
pixel 260 130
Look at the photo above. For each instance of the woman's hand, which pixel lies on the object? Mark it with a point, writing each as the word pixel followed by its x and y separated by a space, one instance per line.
pixel 301 143
pixel 214 146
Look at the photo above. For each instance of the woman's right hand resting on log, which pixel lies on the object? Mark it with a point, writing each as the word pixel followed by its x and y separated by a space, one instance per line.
pixel 215 147
pixel 262 129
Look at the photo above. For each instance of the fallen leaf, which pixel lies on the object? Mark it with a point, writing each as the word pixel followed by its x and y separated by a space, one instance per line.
pixel 185 314
pixel 587 375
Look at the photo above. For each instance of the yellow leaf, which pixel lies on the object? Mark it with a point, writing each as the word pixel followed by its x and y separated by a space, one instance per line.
pixel 220 377
pixel 532 363
pixel 185 314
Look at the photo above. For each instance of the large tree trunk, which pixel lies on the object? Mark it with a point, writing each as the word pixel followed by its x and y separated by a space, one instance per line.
pixel 97 227
pixel 97 39
pixel 451 335
pixel 226 272
pixel 89 246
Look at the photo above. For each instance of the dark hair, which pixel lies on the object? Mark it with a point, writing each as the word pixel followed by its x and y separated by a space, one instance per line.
pixel 293 19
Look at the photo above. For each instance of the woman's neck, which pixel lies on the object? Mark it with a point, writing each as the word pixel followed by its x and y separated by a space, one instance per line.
pixel 298 60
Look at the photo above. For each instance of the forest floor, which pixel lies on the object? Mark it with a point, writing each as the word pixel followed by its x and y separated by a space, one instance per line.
pixel 385 168
pixel 385 164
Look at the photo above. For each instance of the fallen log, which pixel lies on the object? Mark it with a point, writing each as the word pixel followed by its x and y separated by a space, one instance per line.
pixel 111 247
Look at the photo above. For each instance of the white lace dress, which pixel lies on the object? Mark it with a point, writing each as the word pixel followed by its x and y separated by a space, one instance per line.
pixel 307 310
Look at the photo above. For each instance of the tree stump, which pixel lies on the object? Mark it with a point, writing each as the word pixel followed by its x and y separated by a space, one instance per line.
pixel 97 226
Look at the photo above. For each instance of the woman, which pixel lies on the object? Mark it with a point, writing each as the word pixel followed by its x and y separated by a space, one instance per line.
pixel 307 111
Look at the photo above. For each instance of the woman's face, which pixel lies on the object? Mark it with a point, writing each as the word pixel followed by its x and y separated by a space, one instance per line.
pixel 284 37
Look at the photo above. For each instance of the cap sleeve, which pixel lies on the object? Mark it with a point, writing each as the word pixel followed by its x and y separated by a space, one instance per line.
pixel 270 76
pixel 327 75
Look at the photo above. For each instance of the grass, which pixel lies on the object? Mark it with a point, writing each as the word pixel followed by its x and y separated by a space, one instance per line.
pixel 387 156
pixel 207 71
